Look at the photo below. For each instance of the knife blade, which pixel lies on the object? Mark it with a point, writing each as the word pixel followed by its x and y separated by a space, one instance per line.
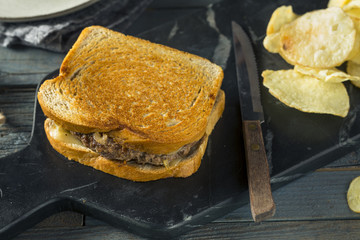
pixel 261 200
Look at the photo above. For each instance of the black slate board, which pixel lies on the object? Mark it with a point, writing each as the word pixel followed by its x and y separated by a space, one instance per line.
pixel 38 182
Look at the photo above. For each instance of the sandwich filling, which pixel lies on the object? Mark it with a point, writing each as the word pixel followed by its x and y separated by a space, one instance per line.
pixel 108 148
pixel 104 145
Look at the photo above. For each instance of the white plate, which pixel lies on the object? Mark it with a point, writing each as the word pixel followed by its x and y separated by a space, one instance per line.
pixel 30 10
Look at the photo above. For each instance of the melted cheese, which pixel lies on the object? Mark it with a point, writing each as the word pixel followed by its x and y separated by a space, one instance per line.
pixel 63 135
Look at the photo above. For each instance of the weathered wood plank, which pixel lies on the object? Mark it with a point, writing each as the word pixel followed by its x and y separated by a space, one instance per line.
pixel 17 105
pixel 317 196
pixel 13 79
pixel 337 229
pixel 26 66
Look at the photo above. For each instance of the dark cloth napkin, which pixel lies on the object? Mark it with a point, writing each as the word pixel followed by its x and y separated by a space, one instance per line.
pixel 58 34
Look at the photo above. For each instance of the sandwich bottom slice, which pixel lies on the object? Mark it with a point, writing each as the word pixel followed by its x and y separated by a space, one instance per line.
pixel 74 147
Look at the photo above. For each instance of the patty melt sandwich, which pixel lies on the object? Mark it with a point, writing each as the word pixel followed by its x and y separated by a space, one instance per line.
pixel 131 108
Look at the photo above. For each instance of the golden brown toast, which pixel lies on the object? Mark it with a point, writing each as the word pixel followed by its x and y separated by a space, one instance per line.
pixel 69 146
pixel 152 97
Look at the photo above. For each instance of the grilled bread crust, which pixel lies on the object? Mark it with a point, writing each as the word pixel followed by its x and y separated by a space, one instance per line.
pixel 152 97
pixel 130 171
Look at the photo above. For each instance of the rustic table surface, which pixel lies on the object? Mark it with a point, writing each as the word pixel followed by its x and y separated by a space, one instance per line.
pixel 312 207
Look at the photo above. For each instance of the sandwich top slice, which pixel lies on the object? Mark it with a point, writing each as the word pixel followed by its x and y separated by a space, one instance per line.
pixel 126 99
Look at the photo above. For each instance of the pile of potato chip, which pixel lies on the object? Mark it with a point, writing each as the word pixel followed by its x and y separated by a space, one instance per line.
pixel 315 43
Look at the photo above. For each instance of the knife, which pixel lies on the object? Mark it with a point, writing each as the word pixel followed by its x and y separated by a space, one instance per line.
pixel 261 200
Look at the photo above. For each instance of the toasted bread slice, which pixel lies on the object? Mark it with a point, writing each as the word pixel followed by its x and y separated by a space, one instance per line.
pixel 151 96
pixel 72 148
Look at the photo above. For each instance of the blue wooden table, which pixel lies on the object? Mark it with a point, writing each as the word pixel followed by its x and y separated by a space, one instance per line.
pixel 311 207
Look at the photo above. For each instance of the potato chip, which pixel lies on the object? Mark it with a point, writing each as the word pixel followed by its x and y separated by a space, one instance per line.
pixel 272 42
pixel 337 3
pixel 353 195
pixel 326 75
pixel 352 8
pixel 320 39
pixel 355 52
pixel 307 93
pixel 353 69
pixel 281 16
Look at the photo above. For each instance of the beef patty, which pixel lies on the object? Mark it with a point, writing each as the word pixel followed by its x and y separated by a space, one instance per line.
pixel 110 149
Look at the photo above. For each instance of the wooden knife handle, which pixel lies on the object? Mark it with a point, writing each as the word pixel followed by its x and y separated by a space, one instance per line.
pixel 261 200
